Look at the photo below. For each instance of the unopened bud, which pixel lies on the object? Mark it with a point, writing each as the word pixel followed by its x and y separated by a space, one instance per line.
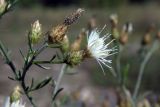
pixel 123 39
pixel 57 34
pixel 36 32
pixel 16 94
pixel 3 5
pixel 74 58
pixel 77 43
pixel 73 17
pixel 64 44
pixel 114 19
pixel 115 33
pixel 146 39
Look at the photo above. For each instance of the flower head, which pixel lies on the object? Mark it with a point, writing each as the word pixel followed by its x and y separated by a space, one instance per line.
pixel 16 94
pixel 74 58
pixel 17 103
pixel 114 19
pixel 3 5
pixel 98 49
pixel 36 32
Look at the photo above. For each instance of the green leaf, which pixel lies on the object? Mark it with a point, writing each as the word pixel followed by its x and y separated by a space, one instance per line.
pixel 54 56
pixel 42 84
pixel 54 97
pixel 32 83
pixel 22 54
pixel 125 74
pixel 11 78
pixel 43 67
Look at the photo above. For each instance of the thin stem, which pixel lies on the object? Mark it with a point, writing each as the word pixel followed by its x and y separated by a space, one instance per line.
pixel 27 94
pixel 8 60
pixel 30 99
pixel 59 79
pixel 118 65
pixel 26 68
pixel 126 92
pixel 142 68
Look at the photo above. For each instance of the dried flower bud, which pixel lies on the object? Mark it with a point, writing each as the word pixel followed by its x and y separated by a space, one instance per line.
pixel 36 32
pixel 114 19
pixel 158 35
pixel 92 24
pixel 57 34
pixel 16 94
pixel 123 39
pixel 3 5
pixel 74 58
pixel 73 17
pixel 114 23
pixel 77 43
pixel 146 39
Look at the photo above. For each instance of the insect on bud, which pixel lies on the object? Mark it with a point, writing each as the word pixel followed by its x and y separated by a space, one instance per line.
pixel 36 32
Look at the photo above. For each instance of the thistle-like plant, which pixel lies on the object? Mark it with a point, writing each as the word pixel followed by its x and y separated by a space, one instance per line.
pixel 56 38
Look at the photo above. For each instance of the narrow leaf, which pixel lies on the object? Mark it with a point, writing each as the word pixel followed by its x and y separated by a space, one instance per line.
pixel 42 84
pixel 54 97
pixel 43 67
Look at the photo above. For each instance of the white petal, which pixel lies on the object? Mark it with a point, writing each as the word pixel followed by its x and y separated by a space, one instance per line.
pixel 99 49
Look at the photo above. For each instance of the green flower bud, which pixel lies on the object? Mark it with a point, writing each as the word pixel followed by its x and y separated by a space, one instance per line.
pixel 74 58
pixel 114 19
pixel 115 33
pixel 15 95
pixel 3 5
pixel 36 32
pixel 65 44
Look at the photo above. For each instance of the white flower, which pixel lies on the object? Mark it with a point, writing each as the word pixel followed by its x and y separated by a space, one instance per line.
pixel 99 49
pixel 13 104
